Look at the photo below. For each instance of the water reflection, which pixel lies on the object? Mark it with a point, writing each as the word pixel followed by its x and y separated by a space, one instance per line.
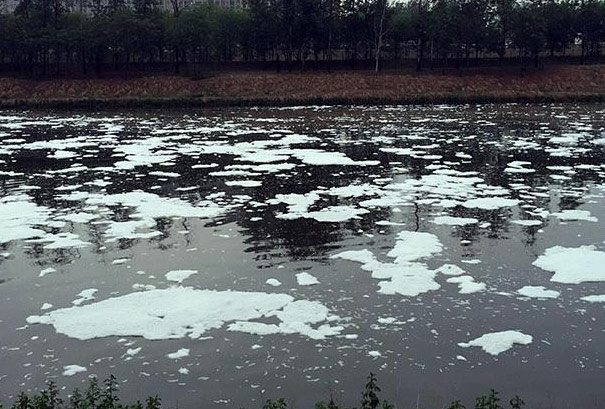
pixel 275 209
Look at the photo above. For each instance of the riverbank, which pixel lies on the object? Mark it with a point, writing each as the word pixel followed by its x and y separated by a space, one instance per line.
pixel 553 84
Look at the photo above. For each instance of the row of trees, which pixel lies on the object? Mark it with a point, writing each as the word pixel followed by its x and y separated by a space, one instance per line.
pixel 47 37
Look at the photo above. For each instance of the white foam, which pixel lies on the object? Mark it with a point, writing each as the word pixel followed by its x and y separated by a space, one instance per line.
pixel 538 292
pixel 455 221
pixel 527 223
pixel 273 282
pixel 177 312
pixel 594 298
pixel 405 276
pixel 573 265
pixel 181 353
pixel 61 241
pixel 323 158
pixel 18 216
pixel 467 284
pixel 497 342
pixel 450 270
pixel 47 271
pixel 179 275
pixel 490 203
pixel 85 295
pixel 412 246
pixel 572 215
pixel 148 208
pixel 306 279
pixel 244 183
pixel 71 370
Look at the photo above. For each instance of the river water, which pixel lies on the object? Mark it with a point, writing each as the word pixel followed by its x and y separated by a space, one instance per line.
pixel 224 257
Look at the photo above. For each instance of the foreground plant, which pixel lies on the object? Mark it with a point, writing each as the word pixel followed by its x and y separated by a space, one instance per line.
pixel 106 396
pixel 94 397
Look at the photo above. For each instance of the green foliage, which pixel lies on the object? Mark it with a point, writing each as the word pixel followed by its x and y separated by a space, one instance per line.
pixel 93 398
pixel 47 37
pixel 516 402
pixel 493 401
pixel 370 394
pixel 490 401
pixel 106 397
pixel 93 394
pixel 329 405
pixel 277 404
pixel 456 405
pixel 153 402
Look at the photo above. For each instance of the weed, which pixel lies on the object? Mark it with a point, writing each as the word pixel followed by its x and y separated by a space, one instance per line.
pixel 106 397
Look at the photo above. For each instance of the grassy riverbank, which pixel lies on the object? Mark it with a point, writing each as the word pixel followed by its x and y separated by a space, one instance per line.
pixel 554 84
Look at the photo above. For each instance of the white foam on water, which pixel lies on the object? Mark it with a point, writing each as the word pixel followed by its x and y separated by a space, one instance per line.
pixel 244 183
pixel 332 214
pixel 467 284
pixel 78 217
pixel 47 271
pixel 133 351
pixel 594 298
pixel 527 223
pixel 71 370
pixel 450 270
pixel 538 292
pixel 273 282
pixel 497 342
pixel 296 317
pixel 18 216
pixel 298 204
pixel 412 246
pixel 180 353
pixel 490 203
pixel 179 276
pixel 63 240
pixel 573 215
pixel 455 221
pixel 519 167
pixel 354 190
pixel 178 312
pixel 573 265
pixel 85 295
pixel 306 279
pixel 148 207
pixel 405 275
pixel 323 158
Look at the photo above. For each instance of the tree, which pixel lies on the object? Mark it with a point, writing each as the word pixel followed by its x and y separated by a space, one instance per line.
pixel 145 7
pixel 493 401
pixel 559 20
pixel 516 402
pixel 529 29
pixel 92 397
pixel 370 394
pixel 456 405
pixel 502 12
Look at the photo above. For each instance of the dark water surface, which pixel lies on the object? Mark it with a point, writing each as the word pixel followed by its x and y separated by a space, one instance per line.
pixel 113 201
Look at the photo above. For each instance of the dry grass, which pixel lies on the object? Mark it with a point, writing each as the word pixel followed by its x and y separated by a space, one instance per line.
pixel 556 83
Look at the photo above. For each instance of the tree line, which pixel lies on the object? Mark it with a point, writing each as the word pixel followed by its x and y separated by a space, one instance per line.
pixel 43 38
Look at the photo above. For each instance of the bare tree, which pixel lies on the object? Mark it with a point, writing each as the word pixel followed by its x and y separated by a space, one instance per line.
pixel 380 31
